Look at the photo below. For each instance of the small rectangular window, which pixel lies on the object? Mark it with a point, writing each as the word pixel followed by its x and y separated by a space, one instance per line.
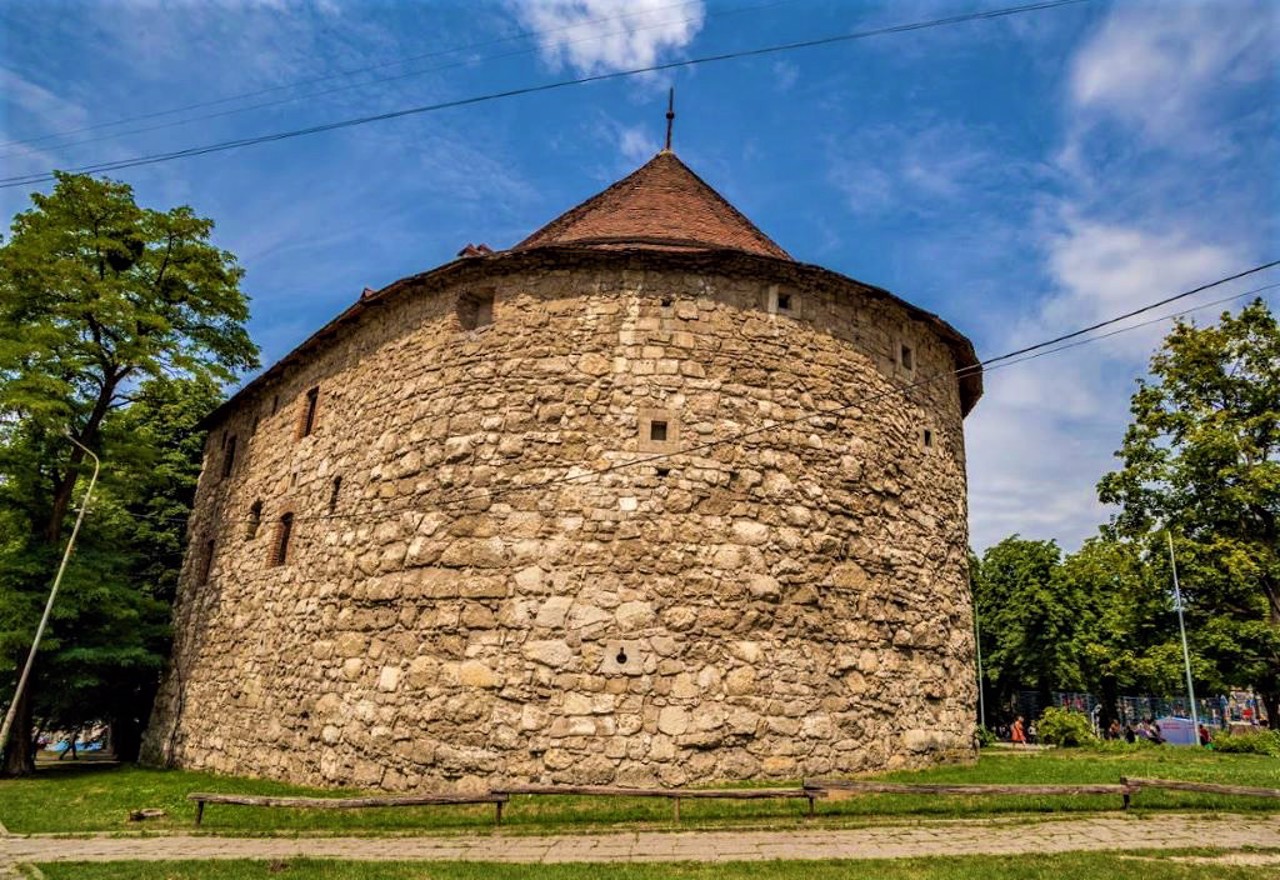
pixel 309 413
pixel 475 309
pixel 658 431
pixel 333 495
pixel 284 532
pixel 908 358
pixel 229 456
pixel 784 302
pixel 255 520
pixel 206 562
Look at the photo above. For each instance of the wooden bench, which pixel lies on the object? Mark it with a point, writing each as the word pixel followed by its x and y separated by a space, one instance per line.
pixel 345 803
pixel 1136 782
pixel 675 795
pixel 1124 789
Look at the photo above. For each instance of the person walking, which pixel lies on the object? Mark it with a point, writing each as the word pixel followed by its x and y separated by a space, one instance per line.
pixel 1016 733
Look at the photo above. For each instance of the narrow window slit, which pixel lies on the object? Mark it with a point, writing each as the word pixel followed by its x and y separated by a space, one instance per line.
pixel 333 495
pixel 284 532
pixel 255 520
pixel 229 457
pixel 206 562
pixel 309 413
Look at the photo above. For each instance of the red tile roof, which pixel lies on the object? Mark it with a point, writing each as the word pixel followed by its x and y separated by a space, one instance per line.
pixel 662 205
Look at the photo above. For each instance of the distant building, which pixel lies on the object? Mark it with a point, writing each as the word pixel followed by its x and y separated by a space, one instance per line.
pixel 562 513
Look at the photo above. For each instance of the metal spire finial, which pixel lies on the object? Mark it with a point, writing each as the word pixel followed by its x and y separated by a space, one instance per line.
pixel 671 115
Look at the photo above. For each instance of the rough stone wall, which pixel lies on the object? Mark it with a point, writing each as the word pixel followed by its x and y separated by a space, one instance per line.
pixel 789 602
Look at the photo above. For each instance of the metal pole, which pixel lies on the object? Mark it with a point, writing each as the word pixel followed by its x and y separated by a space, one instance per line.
pixel 48 605
pixel 1186 655
pixel 982 703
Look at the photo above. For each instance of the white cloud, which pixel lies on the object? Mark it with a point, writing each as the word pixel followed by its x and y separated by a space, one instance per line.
pixel 1152 68
pixel 918 166
pixel 600 36
pixel 1149 206
pixel 1106 269
pixel 1045 431
pixel 786 75
pixel 636 143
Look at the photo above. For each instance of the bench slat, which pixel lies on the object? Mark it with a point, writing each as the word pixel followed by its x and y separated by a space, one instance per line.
pixel 671 793
pixel 254 800
pixel 1203 787
pixel 974 789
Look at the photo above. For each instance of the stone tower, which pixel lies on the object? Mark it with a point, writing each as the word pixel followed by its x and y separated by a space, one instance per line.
pixel 640 500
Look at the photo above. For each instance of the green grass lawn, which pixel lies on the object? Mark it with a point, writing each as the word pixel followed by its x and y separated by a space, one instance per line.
pixel 1072 866
pixel 89 798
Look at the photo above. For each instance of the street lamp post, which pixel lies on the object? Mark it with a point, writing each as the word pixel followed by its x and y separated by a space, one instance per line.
pixel 1182 627
pixel 977 643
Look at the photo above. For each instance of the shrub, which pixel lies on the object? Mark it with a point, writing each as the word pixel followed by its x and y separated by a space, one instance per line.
pixel 986 737
pixel 1062 727
pixel 1260 742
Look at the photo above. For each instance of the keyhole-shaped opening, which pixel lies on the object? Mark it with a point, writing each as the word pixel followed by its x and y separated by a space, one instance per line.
pixel 622 656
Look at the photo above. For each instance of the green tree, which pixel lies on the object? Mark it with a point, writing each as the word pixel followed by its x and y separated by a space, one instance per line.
pixel 1125 633
pixel 1026 619
pixel 105 666
pixel 1202 460
pixel 99 299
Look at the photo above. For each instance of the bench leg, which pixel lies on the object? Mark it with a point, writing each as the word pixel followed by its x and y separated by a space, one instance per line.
pixel 676 801
pixel 1126 800
pixel 199 813
pixel 497 813
pixel 811 807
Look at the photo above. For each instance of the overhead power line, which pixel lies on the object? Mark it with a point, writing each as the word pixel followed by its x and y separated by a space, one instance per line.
pixel 152 159
pixel 1004 361
pixel 21 145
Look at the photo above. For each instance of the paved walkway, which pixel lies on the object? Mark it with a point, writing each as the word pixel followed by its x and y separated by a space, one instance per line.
pixel 940 838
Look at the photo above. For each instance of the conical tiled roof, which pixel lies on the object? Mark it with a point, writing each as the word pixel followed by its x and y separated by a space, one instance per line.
pixel 661 205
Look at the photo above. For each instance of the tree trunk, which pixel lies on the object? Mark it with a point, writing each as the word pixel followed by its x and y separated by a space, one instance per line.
pixel 1271 699
pixel 20 756
pixel 1110 697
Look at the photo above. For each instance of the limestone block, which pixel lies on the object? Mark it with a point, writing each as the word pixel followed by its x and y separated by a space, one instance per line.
pixel 632 616
pixel 553 612
pixel 584 617
pixel 473 673
pixel 474 553
pixel 389 678
pixel 673 720
pixel 763 586
pixel 555 653
pixel 530 579
pixel 739 681
pixel 750 532
pixel 423 672
pixel 594 364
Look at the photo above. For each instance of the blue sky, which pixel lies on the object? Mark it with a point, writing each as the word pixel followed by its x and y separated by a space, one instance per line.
pixel 1020 177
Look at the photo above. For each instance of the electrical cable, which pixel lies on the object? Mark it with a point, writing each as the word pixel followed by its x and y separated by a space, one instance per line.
pixel 138 161
pixel 329 77
pixel 389 79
